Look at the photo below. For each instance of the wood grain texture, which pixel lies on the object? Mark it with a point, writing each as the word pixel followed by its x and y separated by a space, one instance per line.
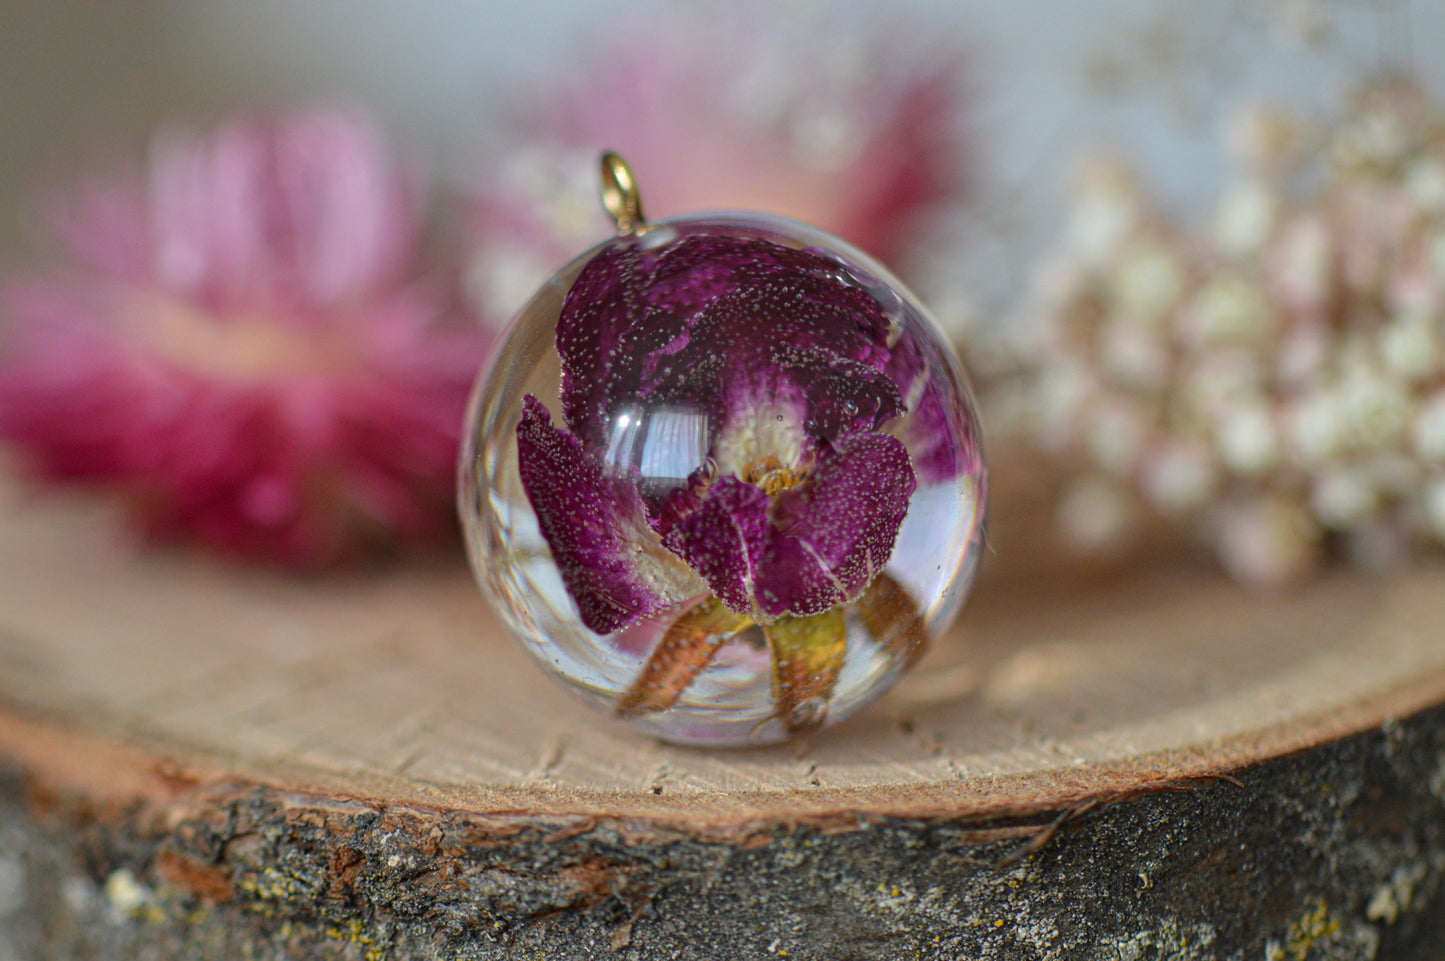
pixel 399 682
pixel 212 762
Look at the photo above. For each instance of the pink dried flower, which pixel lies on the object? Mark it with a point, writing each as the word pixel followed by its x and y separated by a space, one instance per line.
pixel 245 344
pixel 844 125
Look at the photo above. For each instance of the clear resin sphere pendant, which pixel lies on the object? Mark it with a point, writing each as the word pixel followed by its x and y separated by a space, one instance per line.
pixel 725 477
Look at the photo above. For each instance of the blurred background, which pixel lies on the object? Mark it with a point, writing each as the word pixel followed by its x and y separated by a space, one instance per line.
pixel 1046 79
pixel 1236 128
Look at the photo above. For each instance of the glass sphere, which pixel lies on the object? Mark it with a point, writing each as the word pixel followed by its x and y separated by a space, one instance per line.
pixel 724 479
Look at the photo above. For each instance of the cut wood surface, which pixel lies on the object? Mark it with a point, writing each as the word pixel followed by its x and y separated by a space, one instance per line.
pixel 200 761
pixel 399 683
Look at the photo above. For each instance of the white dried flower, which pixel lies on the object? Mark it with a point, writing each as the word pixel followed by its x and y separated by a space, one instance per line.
pixel 1180 477
pixel 1304 349
pixel 1315 428
pixel 1230 308
pixel 1377 411
pixel 1107 208
pixel 1410 347
pixel 1411 287
pixel 1245 218
pixel 1248 441
pixel 1343 498
pixel 1300 264
pixel 1428 431
pixel 1146 281
pixel 1378 136
pixel 1220 378
pixel 1425 184
pixel 1270 541
pixel 1132 357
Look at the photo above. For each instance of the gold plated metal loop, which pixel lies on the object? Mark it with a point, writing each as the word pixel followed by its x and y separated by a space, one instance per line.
pixel 620 196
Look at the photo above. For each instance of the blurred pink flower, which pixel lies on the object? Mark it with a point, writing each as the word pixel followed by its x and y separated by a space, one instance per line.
pixel 843 122
pixel 246 345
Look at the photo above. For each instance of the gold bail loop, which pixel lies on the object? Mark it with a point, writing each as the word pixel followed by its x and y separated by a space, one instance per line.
pixel 620 196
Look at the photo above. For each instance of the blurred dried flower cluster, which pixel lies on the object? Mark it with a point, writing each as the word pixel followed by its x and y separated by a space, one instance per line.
pixel 243 340
pixel 263 340
pixel 263 337
pixel 1276 382
pixel 844 123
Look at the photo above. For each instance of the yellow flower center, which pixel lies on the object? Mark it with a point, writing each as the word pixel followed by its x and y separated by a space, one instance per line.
pixel 772 476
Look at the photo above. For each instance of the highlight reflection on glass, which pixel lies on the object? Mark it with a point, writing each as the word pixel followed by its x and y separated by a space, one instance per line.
pixel 665 445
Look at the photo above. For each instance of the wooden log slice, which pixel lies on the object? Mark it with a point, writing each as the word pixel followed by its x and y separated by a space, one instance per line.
pixel 208 762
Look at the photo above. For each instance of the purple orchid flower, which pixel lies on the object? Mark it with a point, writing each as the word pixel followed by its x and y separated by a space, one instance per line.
pixel 728 402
